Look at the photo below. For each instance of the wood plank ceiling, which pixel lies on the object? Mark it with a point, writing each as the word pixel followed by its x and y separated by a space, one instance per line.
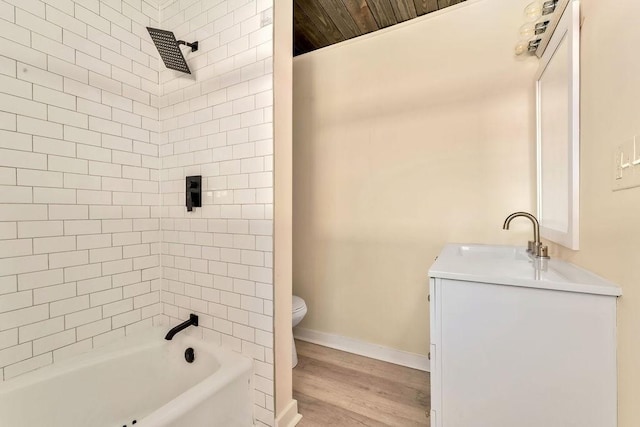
pixel 320 23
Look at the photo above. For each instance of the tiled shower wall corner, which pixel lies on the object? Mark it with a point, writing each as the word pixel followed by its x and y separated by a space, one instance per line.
pixel 79 216
pixel 217 260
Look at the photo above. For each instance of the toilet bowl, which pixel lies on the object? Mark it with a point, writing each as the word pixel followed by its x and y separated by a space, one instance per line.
pixel 299 309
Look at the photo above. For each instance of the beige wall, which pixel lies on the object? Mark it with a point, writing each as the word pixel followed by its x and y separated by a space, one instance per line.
pixel 325 89
pixel 610 222
pixel 404 140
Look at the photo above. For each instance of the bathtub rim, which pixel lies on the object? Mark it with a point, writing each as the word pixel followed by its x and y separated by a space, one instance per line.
pixel 194 396
pixel 143 340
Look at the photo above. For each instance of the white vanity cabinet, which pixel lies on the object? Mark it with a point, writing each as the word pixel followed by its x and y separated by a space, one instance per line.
pixel 515 343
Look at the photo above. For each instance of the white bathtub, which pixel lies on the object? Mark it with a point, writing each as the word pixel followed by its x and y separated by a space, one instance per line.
pixel 143 378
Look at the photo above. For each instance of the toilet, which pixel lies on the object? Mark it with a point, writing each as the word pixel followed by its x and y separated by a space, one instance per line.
pixel 299 309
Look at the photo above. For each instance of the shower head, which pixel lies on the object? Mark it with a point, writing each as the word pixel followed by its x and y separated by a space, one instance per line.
pixel 169 49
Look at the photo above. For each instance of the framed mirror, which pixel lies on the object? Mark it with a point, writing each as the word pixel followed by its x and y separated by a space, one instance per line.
pixel 558 132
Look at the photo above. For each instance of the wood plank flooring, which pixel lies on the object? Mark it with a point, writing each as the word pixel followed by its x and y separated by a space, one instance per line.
pixel 334 388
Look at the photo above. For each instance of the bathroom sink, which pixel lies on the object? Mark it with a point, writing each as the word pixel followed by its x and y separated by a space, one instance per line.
pixel 488 252
pixel 513 266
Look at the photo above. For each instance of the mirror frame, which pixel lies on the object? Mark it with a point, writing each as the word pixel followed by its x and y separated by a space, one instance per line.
pixel 568 28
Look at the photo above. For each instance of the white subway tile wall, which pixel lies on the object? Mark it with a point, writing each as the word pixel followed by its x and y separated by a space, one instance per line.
pixel 217 260
pixel 79 177
pixel 96 139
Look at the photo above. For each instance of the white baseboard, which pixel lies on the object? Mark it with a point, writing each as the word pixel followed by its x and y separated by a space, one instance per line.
pixel 374 351
pixel 289 416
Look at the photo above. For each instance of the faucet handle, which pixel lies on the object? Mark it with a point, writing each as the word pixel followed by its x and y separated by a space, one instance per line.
pixel 542 251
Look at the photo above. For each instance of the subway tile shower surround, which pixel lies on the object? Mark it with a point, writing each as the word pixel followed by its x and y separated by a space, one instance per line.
pixel 217 260
pixel 96 139
pixel 79 213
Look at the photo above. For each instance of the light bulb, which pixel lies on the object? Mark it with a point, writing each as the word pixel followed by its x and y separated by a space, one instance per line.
pixel 527 31
pixel 533 11
pixel 522 47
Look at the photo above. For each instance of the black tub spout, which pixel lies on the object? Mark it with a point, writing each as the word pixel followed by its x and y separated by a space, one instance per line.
pixel 193 320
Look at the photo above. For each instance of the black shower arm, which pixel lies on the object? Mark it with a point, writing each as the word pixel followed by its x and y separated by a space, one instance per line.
pixel 193 46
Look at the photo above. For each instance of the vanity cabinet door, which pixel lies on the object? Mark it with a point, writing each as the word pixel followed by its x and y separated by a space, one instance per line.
pixel 512 356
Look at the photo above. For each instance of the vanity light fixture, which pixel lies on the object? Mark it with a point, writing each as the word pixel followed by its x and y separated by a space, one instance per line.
pixel 537 9
pixel 527 31
pixel 538 18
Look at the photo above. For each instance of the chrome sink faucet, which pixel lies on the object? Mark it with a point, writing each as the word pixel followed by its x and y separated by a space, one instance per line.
pixel 534 247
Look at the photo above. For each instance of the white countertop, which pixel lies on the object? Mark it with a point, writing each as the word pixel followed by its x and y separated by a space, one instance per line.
pixel 512 266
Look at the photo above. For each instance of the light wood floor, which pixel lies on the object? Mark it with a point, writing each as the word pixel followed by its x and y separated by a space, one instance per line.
pixel 334 388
